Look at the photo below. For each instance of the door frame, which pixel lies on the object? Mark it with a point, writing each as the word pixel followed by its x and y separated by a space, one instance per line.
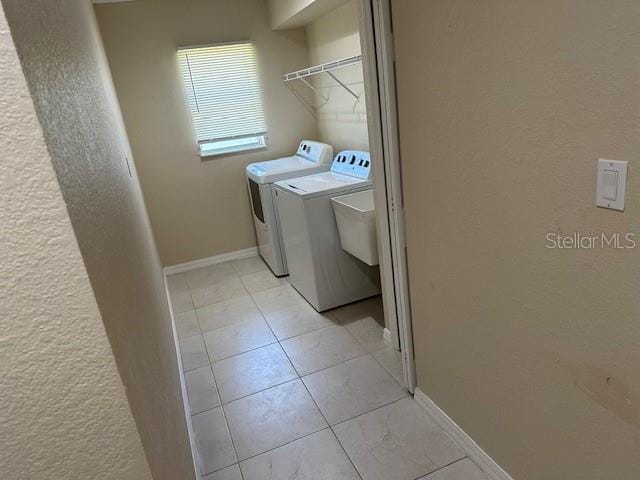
pixel 378 62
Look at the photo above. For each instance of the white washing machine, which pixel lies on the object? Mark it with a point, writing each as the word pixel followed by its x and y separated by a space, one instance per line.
pixel 311 157
pixel 319 268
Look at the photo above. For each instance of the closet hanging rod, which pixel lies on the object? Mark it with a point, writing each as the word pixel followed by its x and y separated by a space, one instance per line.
pixel 325 67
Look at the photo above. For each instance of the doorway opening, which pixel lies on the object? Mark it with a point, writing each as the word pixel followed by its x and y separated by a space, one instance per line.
pixel 328 220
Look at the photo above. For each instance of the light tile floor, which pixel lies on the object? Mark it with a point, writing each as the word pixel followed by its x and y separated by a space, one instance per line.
pixel 279 391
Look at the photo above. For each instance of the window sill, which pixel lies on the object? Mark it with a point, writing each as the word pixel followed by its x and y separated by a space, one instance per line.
pixel 220 148
pixel 230 151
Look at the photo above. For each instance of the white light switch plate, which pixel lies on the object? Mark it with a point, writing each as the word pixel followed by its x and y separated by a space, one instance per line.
pixel 612 182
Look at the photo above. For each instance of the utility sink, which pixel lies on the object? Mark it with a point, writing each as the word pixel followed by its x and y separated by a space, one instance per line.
pixel 356 219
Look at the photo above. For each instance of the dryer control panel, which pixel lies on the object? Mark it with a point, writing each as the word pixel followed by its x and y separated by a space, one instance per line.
pixel 354 163
pixel 315 151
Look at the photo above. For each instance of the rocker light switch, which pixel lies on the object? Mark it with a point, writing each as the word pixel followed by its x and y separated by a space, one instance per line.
pixel 612 180
pixel 610 185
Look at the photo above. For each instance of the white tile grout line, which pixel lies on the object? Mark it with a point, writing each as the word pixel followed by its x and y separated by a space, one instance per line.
pixel 277 340
pixel 296 379
pixel 310 396
pixel 233 443
pixel 280 342
pixel 331 428
pixel 299 377
pixel 342 448
pixel 284 444
pixel 226 423
pixel 441 468
pixel 328 427
pixel 236 354
pixel 224 415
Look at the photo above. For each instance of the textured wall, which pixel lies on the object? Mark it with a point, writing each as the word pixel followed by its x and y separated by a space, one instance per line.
pixel 64 411
pixel 505 107
pixel 197 208
pixel 66 70
pixel 342 121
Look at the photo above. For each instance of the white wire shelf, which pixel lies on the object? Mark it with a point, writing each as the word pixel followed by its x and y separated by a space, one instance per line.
pixel 325 67
pixel 316 70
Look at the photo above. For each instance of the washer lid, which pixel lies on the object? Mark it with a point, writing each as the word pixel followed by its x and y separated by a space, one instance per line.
pixel 283 168
pixel 326 183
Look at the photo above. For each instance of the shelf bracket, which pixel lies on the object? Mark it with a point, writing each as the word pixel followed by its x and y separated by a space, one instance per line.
pixel 306 104
pixel 355 95
pixel 316 91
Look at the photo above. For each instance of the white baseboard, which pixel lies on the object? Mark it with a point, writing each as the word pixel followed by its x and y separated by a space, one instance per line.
pixel 205 262
pixel 183 387
pixel 474 452
pixel 386 336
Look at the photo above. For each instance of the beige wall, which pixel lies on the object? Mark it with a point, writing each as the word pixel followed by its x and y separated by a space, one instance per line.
pixel 505 107
pixel 64 409
pixel 67 73
pixel 342 121
pixel 296 13
pixel 281 11
pixel 197 208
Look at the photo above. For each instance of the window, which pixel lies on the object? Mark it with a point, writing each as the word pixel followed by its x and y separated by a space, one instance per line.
pixel 223 94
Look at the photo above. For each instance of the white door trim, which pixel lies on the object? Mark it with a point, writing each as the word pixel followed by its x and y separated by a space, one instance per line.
pixel 376 147
pixel 376 38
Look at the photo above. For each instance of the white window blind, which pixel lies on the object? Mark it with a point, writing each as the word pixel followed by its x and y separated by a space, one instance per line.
pixel 223 93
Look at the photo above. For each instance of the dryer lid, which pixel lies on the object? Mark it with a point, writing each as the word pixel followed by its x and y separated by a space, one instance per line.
pixel 283 168
pixel 311 157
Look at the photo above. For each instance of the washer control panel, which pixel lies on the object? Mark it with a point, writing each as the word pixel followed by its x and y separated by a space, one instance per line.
pixel 354 163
